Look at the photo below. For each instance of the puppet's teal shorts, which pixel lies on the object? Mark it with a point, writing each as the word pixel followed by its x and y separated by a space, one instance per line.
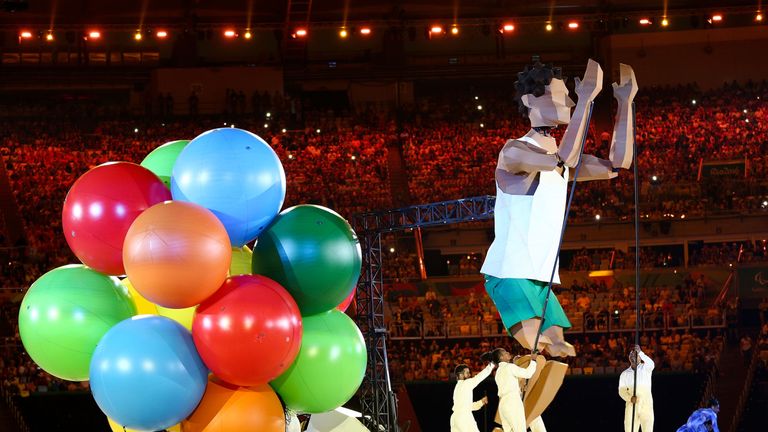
pixel 521 299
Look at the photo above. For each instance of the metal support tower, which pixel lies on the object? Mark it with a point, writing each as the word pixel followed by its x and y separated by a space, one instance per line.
pixel 379 405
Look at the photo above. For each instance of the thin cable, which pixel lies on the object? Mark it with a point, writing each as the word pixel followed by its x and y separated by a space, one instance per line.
pixel 534 348
pixel 637 262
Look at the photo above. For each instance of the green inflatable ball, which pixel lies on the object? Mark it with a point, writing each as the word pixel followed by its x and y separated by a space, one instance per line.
pixel 64 315
pixel 313 253
pixel 330 365
pixel 160 160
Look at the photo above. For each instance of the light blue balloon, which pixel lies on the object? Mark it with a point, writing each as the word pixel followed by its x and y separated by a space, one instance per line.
pixel 236 175
pixel 146 374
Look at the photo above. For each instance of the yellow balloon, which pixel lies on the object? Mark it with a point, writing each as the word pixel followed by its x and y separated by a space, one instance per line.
pixel 181 316
pixel 241 261
pixel 146 307
pixel 117 428
pixel 143 306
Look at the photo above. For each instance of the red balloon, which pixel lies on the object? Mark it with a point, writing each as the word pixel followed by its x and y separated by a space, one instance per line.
pixel 249 331
pixel 343 306
pixel 102 205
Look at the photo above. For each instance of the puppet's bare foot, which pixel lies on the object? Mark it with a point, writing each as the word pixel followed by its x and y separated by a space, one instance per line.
pixel 525 332
pixel 559 347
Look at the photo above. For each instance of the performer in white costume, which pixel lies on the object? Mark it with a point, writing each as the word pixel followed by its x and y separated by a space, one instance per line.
pixel 462 419
pixel 531 182
pixel 643 400
pixel 511 409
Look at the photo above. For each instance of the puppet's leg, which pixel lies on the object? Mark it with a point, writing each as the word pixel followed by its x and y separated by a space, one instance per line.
pixel 518 303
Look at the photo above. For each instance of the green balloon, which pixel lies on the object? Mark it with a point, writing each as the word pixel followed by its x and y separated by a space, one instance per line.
pixel 313 253
pixel 241 261
pixel 161 160
pixel 330 365
pixel 64 315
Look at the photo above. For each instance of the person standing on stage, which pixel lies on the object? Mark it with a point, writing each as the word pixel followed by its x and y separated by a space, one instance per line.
pixel 642 399
pixel 508 374
pixel 462 419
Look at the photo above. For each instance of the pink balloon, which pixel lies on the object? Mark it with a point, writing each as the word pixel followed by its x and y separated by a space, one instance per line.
pixel 343 306
pixel 102 205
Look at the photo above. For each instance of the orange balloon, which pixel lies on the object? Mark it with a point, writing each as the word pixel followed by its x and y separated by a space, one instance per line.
pixel 228 408
pixel 176 254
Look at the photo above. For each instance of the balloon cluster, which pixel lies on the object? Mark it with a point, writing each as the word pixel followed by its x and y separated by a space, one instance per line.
pixel 203 333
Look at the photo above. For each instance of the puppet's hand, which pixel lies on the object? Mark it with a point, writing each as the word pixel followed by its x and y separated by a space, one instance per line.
pixel 588 87
pixel 626 89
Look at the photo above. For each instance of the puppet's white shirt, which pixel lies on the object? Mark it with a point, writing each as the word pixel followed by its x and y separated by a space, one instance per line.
pixel 527 229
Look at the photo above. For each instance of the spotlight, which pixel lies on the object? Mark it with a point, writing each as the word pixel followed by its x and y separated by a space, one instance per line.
pixel 454 30
pixel 343 33
pixel 365 31
pixel 247 34
pixel 94 34
pixel 664 22
pixel 49 37
pixel 479 107
pixel 573 25
pixel 716 18
pixel 137 36
pixel 301 32
pixel 597 217
pixel 25 34
pixel 548 27
pixel 161 34
pixel 693 102
pixel 230 34
pixel 436 29
pixel 645 21
pixel 759 16
pixel 506 28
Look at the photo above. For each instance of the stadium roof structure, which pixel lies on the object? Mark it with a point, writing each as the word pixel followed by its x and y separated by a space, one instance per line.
pixel 70 13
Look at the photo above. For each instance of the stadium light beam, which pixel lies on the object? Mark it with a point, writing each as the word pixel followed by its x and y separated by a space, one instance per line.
pixel 25 34
pixel 94 34
pixel 301 32
pixel 229 33
pixel 161 34
pixel 573 25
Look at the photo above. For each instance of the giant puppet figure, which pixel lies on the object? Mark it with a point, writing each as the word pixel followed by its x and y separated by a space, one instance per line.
pixel 531 181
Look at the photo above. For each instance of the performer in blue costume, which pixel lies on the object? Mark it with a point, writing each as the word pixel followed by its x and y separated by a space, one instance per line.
pixel 703 419
pixel 531 185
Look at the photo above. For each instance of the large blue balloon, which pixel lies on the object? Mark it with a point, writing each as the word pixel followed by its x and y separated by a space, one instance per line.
pixel 236 175
pixel 146 374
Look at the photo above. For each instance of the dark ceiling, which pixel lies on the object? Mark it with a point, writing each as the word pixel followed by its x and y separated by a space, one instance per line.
pixel 74 12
